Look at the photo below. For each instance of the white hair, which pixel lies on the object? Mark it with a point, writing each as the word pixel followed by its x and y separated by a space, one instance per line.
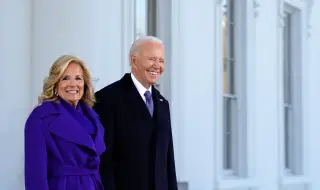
pixel 134 50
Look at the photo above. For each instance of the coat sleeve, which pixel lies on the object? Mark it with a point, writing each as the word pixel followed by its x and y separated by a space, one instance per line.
pixel 106 115
pixel 35 156
pixel 171 168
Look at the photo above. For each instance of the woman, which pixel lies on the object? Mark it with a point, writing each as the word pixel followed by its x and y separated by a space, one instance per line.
pixel 63 135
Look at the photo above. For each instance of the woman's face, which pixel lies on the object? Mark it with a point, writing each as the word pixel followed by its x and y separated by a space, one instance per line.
pixel 71 85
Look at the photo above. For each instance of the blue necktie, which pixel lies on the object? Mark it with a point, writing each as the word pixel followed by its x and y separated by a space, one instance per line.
pixel 149 102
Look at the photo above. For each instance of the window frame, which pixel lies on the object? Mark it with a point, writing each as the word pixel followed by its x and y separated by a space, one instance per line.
pixel 246 43
pixel 239 131
pixel 298 173
pixel 150 25
pixel 293 152
pixel 150 20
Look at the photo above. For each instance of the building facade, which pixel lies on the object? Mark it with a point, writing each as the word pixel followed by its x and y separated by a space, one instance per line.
pixel 241 78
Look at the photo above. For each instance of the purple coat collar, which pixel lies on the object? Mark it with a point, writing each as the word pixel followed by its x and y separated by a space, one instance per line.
pixel 67 127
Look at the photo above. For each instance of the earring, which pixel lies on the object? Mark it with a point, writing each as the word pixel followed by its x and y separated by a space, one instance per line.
pixel 56 94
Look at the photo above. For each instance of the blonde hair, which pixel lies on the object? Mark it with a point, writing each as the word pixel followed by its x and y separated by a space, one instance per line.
pixel 55 75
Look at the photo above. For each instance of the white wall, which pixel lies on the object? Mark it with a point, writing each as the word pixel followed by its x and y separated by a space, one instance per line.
pixel 100 32
pixel 314 91
pixel 14 93
pixel 33 34
pixel 266 99
pixel 89 30
pixel 194 96
pixel 192 93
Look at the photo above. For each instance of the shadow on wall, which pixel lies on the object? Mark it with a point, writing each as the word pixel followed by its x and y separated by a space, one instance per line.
pixel 183 186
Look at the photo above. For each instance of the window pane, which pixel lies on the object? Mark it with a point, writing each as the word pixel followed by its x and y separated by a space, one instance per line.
pixel 228 46
pixel 229 100
pixel 152 17
pixel 286 82
pixel 141 18
pixel 288 137
pixel 145 21
pixel 227 147
pixel 287 86
pixel 286 60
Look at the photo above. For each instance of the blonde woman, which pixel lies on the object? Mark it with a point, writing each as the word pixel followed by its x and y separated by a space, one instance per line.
pixel 63 135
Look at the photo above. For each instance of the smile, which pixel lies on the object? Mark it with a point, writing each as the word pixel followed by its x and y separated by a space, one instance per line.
pixel 153 72
pixel 72 91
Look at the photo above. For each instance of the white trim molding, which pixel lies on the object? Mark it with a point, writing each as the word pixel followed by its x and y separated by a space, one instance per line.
pixel 281 14
pixel 127 32
pixel 256 7
pixel 244 173
pixel 297 10
pixel 309 26
pixel 177 105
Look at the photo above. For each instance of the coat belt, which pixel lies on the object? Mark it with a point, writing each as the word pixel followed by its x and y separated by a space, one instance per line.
pixel 66 170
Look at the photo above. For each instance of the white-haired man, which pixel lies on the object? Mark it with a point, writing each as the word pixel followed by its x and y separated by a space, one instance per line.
pixel 136 119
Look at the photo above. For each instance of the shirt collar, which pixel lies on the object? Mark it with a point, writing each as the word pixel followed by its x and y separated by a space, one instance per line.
pixel 141 89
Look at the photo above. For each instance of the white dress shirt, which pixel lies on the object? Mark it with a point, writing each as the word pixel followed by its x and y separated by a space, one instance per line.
pixel 141 89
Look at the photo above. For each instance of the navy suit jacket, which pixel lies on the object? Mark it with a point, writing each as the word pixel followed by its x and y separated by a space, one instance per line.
pixel 137 144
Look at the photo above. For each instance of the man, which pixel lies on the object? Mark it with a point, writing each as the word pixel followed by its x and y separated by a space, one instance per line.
pixel 136 118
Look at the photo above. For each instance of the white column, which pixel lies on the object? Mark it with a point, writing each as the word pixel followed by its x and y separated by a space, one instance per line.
pixel 192 84
pixel 314 91
pixel 267 94
pixel 164 31
pixel 91 30
pixel 15 92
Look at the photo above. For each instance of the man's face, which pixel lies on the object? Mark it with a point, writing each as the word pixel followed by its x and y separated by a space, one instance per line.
pixel 148 65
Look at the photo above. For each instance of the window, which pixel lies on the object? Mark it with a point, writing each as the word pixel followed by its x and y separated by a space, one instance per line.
pixel 141 18
pixel 229 98
pixel 234 131
pixel 292 92
pixel 146 21
pixel 145 13
pixel 287 79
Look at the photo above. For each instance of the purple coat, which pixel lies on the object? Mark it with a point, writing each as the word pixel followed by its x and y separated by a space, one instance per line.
pixel 59 153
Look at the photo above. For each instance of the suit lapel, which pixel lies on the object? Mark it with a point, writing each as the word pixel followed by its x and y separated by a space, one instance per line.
pixel 67 127
pixel 134 99
pixel 156 103
pixel 160 118
pixel 160 121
